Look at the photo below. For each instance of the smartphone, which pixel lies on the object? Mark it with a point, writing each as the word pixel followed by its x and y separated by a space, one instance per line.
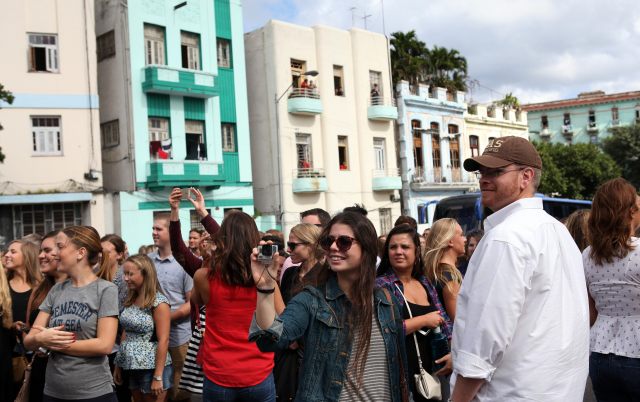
pixel 185 193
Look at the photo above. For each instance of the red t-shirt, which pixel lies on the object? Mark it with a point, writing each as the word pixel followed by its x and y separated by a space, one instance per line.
pixel 229 359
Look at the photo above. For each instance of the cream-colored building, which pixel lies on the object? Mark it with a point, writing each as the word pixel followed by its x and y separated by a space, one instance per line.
pixel 321 116
pixel 51 176
pixel 485 122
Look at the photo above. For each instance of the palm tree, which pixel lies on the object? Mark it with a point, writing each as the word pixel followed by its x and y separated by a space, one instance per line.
pixel 509 101
pixel 447 68
pixel 407 57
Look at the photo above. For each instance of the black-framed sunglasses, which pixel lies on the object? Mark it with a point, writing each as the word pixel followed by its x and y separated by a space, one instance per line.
pixel 292 244
pixel 343 242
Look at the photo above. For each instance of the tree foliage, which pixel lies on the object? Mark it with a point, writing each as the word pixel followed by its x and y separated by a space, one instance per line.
pixel 624 147
pixel 5 96
pixel 413 61
pixel 574 171
pixel 509 101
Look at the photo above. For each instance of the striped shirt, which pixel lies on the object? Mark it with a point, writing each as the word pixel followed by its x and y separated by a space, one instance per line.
pixel 375 384
pixel 192 376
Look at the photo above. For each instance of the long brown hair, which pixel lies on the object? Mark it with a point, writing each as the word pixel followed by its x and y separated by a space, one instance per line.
pixel 39 293
pixel 578 226
pixel 150 284
pixel 385 263
pixel 610 220
pixel 88 237
pixel 235 240
pixel 29 253
pixel 119 244
pixel 361 293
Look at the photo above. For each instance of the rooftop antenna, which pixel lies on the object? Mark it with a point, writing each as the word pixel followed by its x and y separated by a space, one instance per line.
pixel 365 17
pixel 353 16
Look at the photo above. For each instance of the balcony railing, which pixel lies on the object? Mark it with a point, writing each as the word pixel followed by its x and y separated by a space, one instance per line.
pixel 421 177
pixel 309 180
pixel 386 179
pixel 304 101
pixel 381 108
pixel 592 126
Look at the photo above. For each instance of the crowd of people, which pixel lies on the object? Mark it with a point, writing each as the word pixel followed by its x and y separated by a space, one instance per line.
pixel 336 312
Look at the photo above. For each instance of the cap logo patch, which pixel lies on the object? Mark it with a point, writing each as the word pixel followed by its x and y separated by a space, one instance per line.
pixel 494 145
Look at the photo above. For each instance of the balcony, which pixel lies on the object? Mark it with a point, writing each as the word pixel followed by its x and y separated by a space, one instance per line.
pixel 592 126
pixel 304 101
pixel 309 180
pixel 178 81
pixel 382 109
pixel 567 132
pixel 422 180
pixel 386 180
pixel 170 173
pixel 545 133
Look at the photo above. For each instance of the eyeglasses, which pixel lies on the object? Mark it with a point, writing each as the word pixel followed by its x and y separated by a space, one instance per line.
pixel 492 174
pixel 293 244
pixel 343 242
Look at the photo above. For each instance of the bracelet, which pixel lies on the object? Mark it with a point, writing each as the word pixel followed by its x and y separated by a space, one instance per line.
pixel 157 378
pixel 266 291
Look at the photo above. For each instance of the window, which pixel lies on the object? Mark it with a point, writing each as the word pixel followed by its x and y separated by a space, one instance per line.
pixel 385 220
pixel 47 139
pixel 110 134
pixel 43 218
pixel 224 52
pixel 43 53
pixel 454 153
pixel 303 151
pixel 474 144
pixel 491 139
pixel 106 45
pixel 615 116
pixel 159 140
pixel 378 154
pixel 338 80
pixel 435 150
pixel 194 135
pixel 417 145
pixel 154 44
pixel 375 84
pixel 452 128
pixel 544 122
pixel 592 119
pixel 343 152
pixel 228 137
pixel 566 119
pixel 190 47
pixel 195 220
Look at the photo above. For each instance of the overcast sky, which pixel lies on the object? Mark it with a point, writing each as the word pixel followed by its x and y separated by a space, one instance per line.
pixel 538 49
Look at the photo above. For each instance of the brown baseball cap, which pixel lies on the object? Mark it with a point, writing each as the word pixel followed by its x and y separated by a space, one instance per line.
pixel 504 151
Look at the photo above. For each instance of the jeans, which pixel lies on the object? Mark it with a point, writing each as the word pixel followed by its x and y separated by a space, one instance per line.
pixel 263 392
pixel 615 378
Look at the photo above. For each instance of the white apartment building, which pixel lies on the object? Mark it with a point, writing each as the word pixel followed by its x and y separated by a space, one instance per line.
pixel 321 115
pixel 51 176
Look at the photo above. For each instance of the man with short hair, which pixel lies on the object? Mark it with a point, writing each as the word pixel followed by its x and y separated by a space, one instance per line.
pixel 522 325
pixel 176 286
pixel 315 216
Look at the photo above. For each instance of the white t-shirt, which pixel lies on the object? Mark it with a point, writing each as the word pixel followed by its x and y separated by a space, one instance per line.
pixel 522 320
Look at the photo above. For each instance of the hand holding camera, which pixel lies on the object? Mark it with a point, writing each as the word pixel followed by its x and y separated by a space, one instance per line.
pixel 265 261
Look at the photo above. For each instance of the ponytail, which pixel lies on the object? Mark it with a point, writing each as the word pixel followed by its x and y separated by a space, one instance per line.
pixel 104 272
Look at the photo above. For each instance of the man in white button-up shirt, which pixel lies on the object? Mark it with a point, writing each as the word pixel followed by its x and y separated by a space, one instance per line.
pixel 522 325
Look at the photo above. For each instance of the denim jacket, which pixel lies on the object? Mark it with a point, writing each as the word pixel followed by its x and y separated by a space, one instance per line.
pixel 314 314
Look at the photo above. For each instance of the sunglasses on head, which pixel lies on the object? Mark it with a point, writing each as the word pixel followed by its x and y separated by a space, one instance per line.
pixel 343 242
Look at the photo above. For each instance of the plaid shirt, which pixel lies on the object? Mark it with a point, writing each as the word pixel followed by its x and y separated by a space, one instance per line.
pixel 389 280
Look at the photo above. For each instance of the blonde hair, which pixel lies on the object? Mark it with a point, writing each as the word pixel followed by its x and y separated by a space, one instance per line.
pixel 442 231
pixel 308 233
pixel 87 237
pixel 31 264
pixel 5 300
pixel 150 284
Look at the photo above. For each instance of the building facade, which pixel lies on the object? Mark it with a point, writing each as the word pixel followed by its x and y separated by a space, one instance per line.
pixel 174 110
pixel 437 131
pixel 321 117
pixel 51 176
pixel 585 119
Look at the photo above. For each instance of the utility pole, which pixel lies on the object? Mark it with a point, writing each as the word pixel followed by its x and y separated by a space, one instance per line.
pixel 353 16
pixel 365 17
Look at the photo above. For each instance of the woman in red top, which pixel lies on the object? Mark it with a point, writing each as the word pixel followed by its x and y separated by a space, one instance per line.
pixel 234 368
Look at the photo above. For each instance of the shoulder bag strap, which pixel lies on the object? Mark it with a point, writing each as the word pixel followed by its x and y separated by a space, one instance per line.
pixel 415 338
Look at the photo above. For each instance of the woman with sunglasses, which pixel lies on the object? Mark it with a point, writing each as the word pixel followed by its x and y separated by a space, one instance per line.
pixel 401 273
pixel 308 257
pixel 353 336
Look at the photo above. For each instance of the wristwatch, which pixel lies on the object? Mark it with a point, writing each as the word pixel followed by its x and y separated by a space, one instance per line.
pixel 157 378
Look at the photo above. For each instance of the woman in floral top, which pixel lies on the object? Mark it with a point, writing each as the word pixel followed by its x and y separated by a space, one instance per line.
pixel 143 352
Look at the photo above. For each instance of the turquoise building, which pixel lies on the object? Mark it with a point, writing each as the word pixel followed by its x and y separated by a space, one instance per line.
pixel 587 118
pixel 172 83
